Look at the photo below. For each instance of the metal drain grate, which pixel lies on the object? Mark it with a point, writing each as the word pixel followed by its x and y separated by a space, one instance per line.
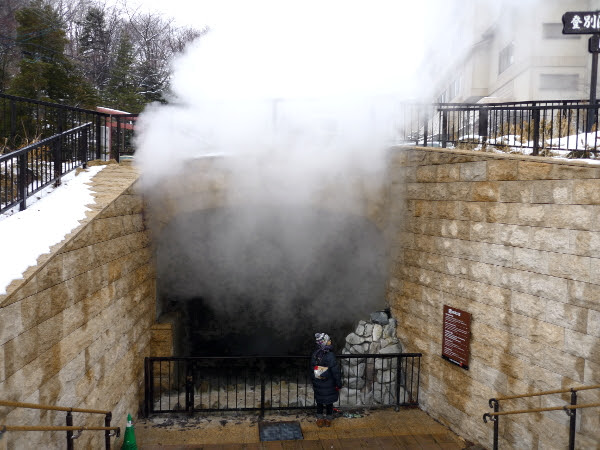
pixel 279 431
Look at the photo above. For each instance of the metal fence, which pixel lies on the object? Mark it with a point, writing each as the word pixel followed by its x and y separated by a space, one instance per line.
pixel 209 384
pixel 567 127
pixel 24 121
pixel 26 171
pixel 40 142
pixel 122 129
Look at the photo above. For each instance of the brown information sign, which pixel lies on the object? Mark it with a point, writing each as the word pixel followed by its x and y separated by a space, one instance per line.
pixel 457 335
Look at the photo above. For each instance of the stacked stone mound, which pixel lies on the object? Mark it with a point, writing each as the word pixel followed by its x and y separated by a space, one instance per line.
pixel 371 380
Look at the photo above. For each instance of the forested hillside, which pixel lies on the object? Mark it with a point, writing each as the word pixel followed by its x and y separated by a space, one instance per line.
pixel 86 53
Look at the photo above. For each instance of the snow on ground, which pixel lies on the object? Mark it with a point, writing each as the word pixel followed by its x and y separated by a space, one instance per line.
pixel 557 148
pixel 47 220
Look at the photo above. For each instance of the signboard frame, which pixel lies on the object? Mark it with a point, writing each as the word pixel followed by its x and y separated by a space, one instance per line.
pixel 456 336
pixel 581 22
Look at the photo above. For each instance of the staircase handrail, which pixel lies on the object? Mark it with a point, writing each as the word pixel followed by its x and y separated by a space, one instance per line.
pixel 550 408
pixel 570 410
pixel 51 407
pixel 69 428
pixel 536 394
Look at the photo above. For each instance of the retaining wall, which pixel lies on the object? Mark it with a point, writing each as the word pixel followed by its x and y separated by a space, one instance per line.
pixel 515 241
pixel 75 329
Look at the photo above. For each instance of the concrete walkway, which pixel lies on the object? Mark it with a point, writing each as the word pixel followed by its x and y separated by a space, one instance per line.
pixel 377 429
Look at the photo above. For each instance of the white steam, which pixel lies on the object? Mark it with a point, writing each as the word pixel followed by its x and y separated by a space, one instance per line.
pixel 296 95
pixel 319 83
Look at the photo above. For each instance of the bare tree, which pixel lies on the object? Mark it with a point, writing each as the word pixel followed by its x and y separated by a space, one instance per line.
pixel 9 53
pixel 180 37
pixel 95 34
pixel 157 40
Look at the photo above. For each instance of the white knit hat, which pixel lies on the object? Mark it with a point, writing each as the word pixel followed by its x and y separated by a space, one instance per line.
pixel 322 338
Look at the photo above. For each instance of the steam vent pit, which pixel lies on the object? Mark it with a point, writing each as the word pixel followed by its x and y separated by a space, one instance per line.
pixel 262 281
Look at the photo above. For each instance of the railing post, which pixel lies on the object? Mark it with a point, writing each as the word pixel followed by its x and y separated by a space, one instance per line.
pixel 98 137
pixel 496 405
pixel 418 377
pixel 60 149
pixel 483 125
pixel 444 128
pixel 57 150
pixel 572 420
pixel 591 115
pixel 118 152
pixel 147 387
pixel 22 180
pixel 69 432
pixel 398 372
pixel 261 366
pixel 189 388
pixel 13 123
pixel 83 147
pixel 107 420
pixel 425 131
pixel 536 131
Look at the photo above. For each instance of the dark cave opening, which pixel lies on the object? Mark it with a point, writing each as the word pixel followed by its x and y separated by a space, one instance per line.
pixel 262 281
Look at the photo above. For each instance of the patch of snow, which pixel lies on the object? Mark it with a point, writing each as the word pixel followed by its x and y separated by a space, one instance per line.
pixel 47 220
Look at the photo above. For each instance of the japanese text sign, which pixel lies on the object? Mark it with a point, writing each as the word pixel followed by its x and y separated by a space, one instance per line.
pixel 581 22
pixel 457 336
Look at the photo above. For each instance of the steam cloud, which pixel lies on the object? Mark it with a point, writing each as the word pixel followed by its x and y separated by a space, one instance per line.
pixel 292 97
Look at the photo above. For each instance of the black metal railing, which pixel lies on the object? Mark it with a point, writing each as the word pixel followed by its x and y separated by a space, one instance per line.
pixel 40 142
pixel 122 128
pixel 26 171
pixel 566 126
pixel 24 121
pixel 209 384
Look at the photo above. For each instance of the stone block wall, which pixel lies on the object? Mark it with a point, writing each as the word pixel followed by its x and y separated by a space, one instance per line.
pixel 515 241
pixel 75 329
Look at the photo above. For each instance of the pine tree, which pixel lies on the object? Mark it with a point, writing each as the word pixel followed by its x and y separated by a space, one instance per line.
pixel 94 48
pixel 151 81
pixel 45 72
pixel 121 91
pixel 151 33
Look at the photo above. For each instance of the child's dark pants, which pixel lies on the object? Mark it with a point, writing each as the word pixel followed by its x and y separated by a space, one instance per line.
pixel 328 410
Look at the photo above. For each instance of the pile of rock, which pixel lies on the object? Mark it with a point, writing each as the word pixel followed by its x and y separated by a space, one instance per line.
pixel 370 379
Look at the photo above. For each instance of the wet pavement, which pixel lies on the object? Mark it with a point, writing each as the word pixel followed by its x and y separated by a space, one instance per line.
pixel 376 429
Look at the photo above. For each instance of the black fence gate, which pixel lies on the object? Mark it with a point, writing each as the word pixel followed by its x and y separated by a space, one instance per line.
pixel 209 384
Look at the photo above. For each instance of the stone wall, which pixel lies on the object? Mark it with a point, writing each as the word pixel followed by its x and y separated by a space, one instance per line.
pixel 75 329
pixel 515 241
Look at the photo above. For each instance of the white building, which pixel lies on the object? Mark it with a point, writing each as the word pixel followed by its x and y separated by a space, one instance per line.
pixel 504 51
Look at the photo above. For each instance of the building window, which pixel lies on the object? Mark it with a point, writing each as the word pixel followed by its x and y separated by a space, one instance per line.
pixel 561 82
pixel 554 31
pixel 443 96
pixel 454 88
pixel 507 57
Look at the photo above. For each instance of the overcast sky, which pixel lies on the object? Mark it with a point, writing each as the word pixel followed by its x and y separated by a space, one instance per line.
pixel 259 13
pixel 303 45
